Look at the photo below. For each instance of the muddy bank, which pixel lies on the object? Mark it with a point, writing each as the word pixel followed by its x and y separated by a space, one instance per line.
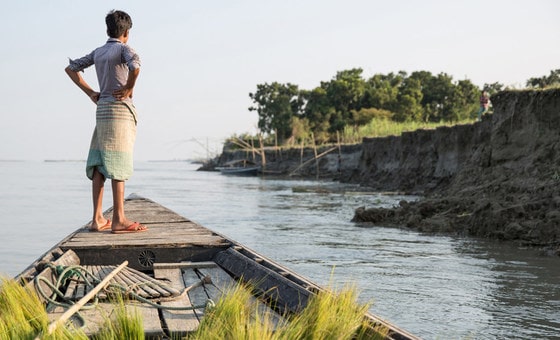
pixel 498 178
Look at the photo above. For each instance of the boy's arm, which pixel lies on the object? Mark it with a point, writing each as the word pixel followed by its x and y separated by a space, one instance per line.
pixel 126 91
pixel 82 84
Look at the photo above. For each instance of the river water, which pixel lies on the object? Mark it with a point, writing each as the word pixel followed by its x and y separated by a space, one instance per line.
pixel 437 287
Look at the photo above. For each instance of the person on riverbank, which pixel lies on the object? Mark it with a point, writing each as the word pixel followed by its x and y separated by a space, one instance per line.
pixel 110 155
pixel 484 104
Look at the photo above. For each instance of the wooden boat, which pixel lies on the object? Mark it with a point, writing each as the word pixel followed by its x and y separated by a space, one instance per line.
pixel 175 255
pixel 240 167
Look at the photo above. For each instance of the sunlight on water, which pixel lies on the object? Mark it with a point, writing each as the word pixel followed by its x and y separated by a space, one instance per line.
pixel 433 286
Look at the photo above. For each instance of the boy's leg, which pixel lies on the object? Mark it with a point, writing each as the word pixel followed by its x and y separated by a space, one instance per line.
pixel 97 186
pixel 119 219
pixel 120 222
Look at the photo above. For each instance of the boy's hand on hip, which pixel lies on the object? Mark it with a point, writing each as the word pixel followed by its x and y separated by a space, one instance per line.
pixel 94 96
pixel 123 93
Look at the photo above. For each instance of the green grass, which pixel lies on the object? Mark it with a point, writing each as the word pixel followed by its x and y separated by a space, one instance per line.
pixel 329 315
pixel 386 127
pixel 126 324
pixel 23 316
pixel 238 315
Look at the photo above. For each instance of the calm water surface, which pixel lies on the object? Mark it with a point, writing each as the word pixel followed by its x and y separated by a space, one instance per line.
pixel 436 287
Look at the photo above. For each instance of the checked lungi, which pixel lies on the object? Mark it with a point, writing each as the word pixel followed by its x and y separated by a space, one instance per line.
pixel 113 139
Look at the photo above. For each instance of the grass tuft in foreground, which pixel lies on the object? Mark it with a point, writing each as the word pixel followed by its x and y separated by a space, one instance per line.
pixel 23 316
pixel 329 315
pixel 238 315
pixel 126 323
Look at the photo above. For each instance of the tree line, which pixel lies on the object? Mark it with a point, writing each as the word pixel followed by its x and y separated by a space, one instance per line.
pixel 350 100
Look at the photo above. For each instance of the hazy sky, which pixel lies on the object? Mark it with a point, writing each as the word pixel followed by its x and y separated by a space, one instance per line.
pixel 201 59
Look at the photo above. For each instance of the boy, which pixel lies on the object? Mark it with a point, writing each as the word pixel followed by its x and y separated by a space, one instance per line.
pixel 484 103
pixel 110 156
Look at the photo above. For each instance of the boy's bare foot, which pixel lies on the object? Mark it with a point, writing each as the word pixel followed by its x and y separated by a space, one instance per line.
pixel 100 226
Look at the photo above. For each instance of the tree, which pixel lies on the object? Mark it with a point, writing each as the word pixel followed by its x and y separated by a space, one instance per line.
pixel 493 88
pixel 552 79
pixel 409 101
pixel 464 101
pixel 276 105
pixel 344 94
pixel 381 91
pixel 318 112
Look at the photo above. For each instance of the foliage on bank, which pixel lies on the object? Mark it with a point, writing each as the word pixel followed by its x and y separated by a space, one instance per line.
pixel 350 102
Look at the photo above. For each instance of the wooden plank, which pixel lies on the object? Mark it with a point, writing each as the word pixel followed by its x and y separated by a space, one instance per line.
pixel 139 286
pixel 220 279
pixel 178 322
pixel 288 296
pixel 222 282
pixel 146 239
pixel 68 258
pixel 133 255
pixel 185 264
pixel 198 295
pixel 163 289
pixel 37 266
pixel 95 319
pixel 129 285
pixel 96 271
pixel 71 291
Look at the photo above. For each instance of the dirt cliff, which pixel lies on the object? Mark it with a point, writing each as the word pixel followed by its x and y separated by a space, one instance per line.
pixel 498 178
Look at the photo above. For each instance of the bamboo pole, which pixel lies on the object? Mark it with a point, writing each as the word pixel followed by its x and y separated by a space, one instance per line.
pixel 301 153
pixel 84 300
pixel 253 149
pixel 263 156
pixel 316 159
pixel 339 153
pixel 276 143
pixel 311 160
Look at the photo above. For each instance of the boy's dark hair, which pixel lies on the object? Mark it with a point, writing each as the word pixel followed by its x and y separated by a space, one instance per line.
pixel 117 23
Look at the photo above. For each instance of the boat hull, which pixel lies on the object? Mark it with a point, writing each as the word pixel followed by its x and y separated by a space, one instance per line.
pixel 179 253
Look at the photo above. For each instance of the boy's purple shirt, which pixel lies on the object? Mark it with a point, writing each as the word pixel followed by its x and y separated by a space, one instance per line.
pixel 112 62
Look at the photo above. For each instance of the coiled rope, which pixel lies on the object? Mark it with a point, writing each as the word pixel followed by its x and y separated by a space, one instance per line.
pixel 65 274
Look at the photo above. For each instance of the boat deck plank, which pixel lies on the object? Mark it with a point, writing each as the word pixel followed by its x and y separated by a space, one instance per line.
pixel 166 229
pixel 178 322
pixel 222 282
pixel 169 238
pixel 197 295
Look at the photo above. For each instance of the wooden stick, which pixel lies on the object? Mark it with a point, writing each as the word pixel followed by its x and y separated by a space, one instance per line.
pixel 85 299
pixel 316 158
pixel 311 160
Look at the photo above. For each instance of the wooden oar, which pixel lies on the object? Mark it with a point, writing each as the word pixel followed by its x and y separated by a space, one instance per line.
pixel 76 307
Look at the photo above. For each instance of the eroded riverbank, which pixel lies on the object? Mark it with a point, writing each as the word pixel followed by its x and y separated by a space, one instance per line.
pixel 506 181
pixel 497 179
